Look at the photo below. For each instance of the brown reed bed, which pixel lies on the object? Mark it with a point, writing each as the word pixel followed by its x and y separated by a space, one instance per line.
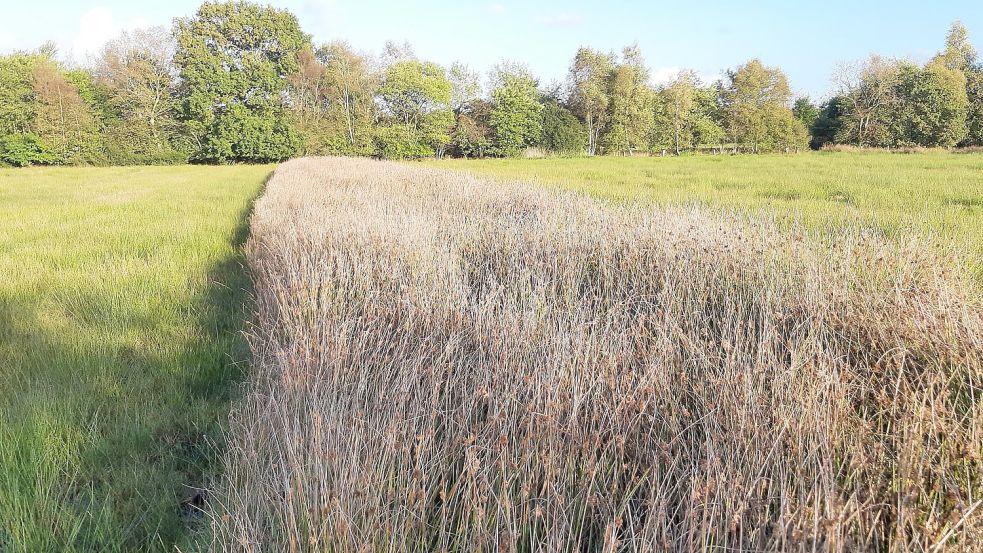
pixel 444 363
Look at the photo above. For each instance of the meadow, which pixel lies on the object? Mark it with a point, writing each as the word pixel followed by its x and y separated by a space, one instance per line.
pixel 445 362
pixel 938 193
pixel 765 353
pixel 122 300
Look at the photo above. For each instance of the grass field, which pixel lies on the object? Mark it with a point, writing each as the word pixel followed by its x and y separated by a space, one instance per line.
pixel 121 295
pixel 936 192
pixel 449 363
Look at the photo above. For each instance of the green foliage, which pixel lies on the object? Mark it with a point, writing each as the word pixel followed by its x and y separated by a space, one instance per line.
pixel 631 116
pixel 415 98
pixel 332 101
pixel 24 150
pixel 516 114
pixel 589 84
pixel 974 113
pixel 676 109
pixel 805 111
pixel 400 141
pixel 17 92
pixel 471 136
pixel 931 106
pixel 412 90
pixel 562 132
pixel 827 125
pixel 234 59
pixel 756 112
pixel 959 53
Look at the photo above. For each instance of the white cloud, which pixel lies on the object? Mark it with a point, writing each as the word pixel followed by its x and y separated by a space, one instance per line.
pixel 496 8
pixel 664 75
pixel 325 17
pixel 562 19
pixel 97 27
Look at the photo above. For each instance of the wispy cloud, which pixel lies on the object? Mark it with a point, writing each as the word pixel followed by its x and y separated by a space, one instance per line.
pixel 97 27
pixel 661 76
pixel 497 8
pixel 324 16
pixel 562 19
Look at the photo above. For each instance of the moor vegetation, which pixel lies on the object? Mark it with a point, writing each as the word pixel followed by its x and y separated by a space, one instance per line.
pixel 447 363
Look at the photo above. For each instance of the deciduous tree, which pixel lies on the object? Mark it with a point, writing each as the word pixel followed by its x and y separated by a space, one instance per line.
pixel 756 108
pixel 589 93
pixel 631 116
pixel 931 107
pixel 234 59
pixel 417 95
pixel 516 114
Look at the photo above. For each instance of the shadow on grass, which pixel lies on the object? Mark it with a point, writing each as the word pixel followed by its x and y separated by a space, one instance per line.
pixel 106 446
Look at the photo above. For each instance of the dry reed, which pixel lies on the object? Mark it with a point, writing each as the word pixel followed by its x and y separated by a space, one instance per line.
pixel 443 363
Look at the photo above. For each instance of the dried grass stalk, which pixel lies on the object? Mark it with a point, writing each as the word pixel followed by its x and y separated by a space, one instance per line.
pixel 443 363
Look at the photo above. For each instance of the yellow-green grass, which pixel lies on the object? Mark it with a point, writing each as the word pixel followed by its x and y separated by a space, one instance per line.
pixel 935 192
pixel 122 300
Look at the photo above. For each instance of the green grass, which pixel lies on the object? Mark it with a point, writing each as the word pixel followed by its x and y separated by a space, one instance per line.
pixel 122 295
pixel 936 192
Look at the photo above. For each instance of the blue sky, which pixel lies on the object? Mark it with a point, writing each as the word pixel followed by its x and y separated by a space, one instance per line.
pixel 806 40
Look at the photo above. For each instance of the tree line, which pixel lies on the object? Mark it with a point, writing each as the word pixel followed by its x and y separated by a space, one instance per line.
pixel 242 82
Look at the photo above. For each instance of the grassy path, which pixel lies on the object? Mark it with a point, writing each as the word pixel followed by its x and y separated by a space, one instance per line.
pixel 121 297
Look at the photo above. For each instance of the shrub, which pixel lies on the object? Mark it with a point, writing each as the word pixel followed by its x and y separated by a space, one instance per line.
pixel 23 150
pixel 400 142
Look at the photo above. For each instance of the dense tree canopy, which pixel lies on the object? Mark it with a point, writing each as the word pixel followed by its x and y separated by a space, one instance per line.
pixel 416 97
pixel 241 82
pixel 234 59
pixel 516 113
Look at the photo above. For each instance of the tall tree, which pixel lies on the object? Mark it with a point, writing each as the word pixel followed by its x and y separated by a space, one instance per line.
pixel 868 97
pixel 17 92
pixel 826 128
pixel 332 96
pixel 516 114
pixel 756 107
pixel 631 115
pixel 137 73
pixel 959 53
pixel 62 119
pixel 932 106
pixel 589 92
pixel 679 101
pixel 417 96
pixel 805 111
pixel 234 59
pixel 562 132
pixel 974 114
pixel 465 87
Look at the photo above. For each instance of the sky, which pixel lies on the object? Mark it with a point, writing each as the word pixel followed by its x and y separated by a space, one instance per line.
pixel 807 40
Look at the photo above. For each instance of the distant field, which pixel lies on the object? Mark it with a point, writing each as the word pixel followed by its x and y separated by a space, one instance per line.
pixel 121 294
pixel 936 192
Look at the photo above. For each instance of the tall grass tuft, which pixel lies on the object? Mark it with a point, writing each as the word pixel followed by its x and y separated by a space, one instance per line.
pixel 445 363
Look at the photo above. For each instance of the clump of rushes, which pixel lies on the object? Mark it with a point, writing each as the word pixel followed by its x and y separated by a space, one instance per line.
pixel 445 363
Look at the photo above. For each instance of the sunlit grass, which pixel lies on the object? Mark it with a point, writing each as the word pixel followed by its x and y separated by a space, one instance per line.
pixel 121 298
pixel 936 192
